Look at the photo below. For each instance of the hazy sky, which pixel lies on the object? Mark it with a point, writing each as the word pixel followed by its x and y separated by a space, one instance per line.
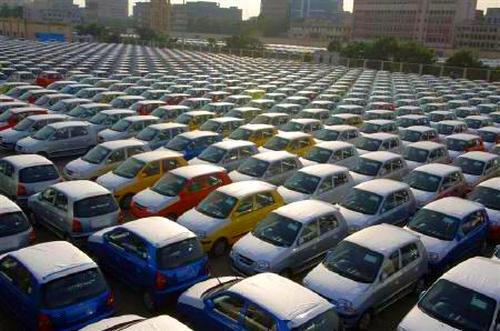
pixel 252 7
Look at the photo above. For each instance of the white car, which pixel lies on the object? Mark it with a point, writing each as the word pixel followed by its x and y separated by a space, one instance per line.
pixel 136 323
pixel 487 193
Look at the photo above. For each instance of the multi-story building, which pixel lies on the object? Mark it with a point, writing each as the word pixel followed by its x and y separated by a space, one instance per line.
pixel 316 9
pixel 483 34
pixel 319 30
pixel 160 16
pixel 142 14
pixel 429 21
pixel 106 11
pixel 275 10
pixel 212 10
pixel 179 18
pixel 53 11
pixel 492 16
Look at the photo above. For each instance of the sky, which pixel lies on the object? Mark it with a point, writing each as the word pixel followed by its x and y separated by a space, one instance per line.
pixel 252 7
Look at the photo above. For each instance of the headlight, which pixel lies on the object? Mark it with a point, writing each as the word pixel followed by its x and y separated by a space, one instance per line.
pixel 262 265
pixel 433 257
pixel 345 306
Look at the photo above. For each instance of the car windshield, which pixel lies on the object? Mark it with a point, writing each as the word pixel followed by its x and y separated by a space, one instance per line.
pixel 354 262
pixel 326 134
pixel 370 128
pixel 367 167
pixel 179 143
pixel 459 307
pixel 253 167
pixel 36 174
pixel 473 124
pixel 121 125
pixel 129 168
pixel 277 230
pixel 489 137
pixel 212 154
pixel 169 185
pixel 457 144
pixel 184 119
pixel 416 154
pixel 147 134
pixel 44 133
pixel 217 204
pixel 319 154
pixel 302 182
pixel 80 111
pixel 277 144
pixel 95 206
pixel 423 181
pixel 292 126
pixel 411 136
pixel 179 254
pixel 73 289
pixel 488 197
pixel 96 155
pixel 434 224
pixel 470 166
pixel 445 129
pixel 210 126
pixel 362 201
pixel 6 116
pixel 241 134
pixel 368 144
pixel 261 119
pixel 12 223
pixel 24 125
pixel 328 320
pixel 99 118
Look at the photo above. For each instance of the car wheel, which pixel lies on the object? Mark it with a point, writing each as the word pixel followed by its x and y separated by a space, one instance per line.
pixel 125 201
pixel 365 321
pixel 420 286
pixel 220 247
pixel 149 302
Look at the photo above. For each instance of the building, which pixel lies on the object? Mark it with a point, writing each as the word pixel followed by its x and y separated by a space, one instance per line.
pixel 319 30
pixel 316 9
pixel 483 34
pixel 14 3
pixel 53 11
pixel 431 22
pixel 142 14
pixel 106 11
pixel 275 10
pixel 212 10
pixel 160 16
pixel 179 18
pixel 492 16
pixel 21 28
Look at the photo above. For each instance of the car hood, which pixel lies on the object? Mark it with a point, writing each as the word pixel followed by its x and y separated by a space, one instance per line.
pixel 109 134
pixel 81 168
pixel 257 249
pixel 201 223
pixel 11 136
pixel 416 320
pixel 154 201
pixel 114 182
pixel 435 245
pixel 471 180
pixel 292 196
pixel 333 286
pixel 359 178
pixel 193 296
pixel 356 219
pixel 413 164
pixel 28 142
pixel 239 177
pixel 423 197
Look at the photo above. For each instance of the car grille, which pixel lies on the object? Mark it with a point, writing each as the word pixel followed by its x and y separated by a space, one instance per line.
pixel 245 260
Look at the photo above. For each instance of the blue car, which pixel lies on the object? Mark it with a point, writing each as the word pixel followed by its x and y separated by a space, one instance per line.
pixel 451 229
pixel 192 143
pixel 266 301
pixel 53 286
pixel 154 255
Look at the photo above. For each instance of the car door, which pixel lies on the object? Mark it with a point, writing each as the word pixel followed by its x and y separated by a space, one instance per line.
pixel 331 232
pixel 307 249
pixel 231 159
pixel 150 174
pixel 8 182
pixel 58 142
pixel 394 208
pixel 325 190
pixel 412 266
pixel 256 318
pixel 243 219
pixel 471 235
pixel 224 312
pixel 388 283
pixel 492 169
pixel 40 206
pixel 58 213
pixel 288 167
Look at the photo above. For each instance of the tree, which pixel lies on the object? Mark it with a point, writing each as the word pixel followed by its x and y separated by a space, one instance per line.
pixel 464 58
pixel 357 50
pixel 334 46
pixel 413 52
pixel 243 42
pixel 383 49
pixel 212 42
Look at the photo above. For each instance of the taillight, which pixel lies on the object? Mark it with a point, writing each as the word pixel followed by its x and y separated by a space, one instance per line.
pixel 160 281
pixel 32 237
pixel 21 190
pixel 110 300
pixel 44 323
pixel 76 225
pixel 121 217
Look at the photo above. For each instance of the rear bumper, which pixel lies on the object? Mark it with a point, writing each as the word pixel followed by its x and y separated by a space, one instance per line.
pixel 161 296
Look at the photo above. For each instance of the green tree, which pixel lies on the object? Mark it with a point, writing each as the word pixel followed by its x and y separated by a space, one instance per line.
pixel 382 49
pixel 243 42
pixel 357 50
pixel 464 58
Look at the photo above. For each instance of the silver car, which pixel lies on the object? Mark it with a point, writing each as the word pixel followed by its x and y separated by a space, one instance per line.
pixel 290 239
pixel 59 139
pixel 379 165
pixel 380 141
pixel 126 127
pixel 106 118
pixel 15 229
pixel 368 271
pixel 25 175
pixel 229 154
pixel 74 209
pixel 335 152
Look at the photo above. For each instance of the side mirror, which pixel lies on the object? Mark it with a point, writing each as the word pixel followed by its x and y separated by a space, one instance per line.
pixel 383 276
pixel 209 303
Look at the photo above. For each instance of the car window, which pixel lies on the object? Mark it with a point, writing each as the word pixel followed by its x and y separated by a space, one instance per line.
pixel 48 195
pixel 6 168
pixel 197 184
pixel 169 164
pixel 451 180
pixel 288 165
pixel 213 180
pixel 274 169
pixel 127 241
pixel 257 319
pixel 61 201
pixel 231 156
pixel 326 185
pixel 245 206
pixel 61 134
pixel 229 306
pixel 263 200
pixel 394 200
pixel 134 150
pixel 246 152
pixel 347 152
pixel 327 223
pixel 409 253
pixel 17 275
pixel 472 222
pixel 309 232
pixel 116 156
pixel 152 169
pixel 391 265
pixel 78 131
pixel 340 179
pixel 397 164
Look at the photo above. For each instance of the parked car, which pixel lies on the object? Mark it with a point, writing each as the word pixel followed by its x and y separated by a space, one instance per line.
pixel 450 127
pixel 194 119
pixel 169 113
pixel 12 117
pixel 478 166
pixel 297 143
pixel 126 127
pixel 375 126
pixel 259 134
pixel 275 119
pixel 366 272
pixel 487 193
pixel 274 303
pixel 222 125
pixel 230 212
pixel 15 230
pixel 451 229
pixel 435 181
pixel 380 141
pixel 157 135
pixel 470 290
pixel 379 165
pixel 66 105
pixel 477 122
pixel 345 133
pixel 107 118
pixel 165 257
pixel 415 134
pixel 87 111
pixel 229 154
pixel 291 239
pixel 45 78
pixel 59 139
pixel 146 107
pixel 132 322
pixel 424 152
pixel 53 286
pixel 462 143
pixel 334 152
pixel 139 172
pixel 306 125
pixel 191 144
pixel 490 136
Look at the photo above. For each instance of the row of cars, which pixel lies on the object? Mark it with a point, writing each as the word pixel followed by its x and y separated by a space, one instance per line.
pixel 232 192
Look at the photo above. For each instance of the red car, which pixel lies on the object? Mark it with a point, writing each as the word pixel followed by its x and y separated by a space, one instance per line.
pixel 178 191
pixel 11 117
pixel 146 107
pixel 174 98
pixel 45 78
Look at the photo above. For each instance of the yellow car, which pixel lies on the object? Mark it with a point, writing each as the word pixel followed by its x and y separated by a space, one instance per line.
pixel 230 212
pixel 259 134
pixel 255 93
pixel 138 173
pixel 294 142
pixel 345 119
pixel 194 119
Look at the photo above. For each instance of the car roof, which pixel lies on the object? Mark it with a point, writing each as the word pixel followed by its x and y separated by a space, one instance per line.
pixel 381 135
pixel 492 129
pixel 420 128
pixel 245 188
pixel 428 145
pixel 382 186
pixel 53 260
pixel 80 189
pixel 159 231
pixel 323 170
pixel 230 144
pixel 156 155
pixel 480 156
pixel 381 156
pixel 198 134
pixel 42 117
pixel 167 126
pixel 305 210
pixel 340 127
pixel 7 205
pixel 334 145
pixel 256 127
pixel 463 136
pixel 27 109
pixel 273 156
pixel 66 124
pixel 114 144
pixel 454 206
pixel 493 183
pixel 137 118
pixel 280 296
pixel 118 111
pixel 438 169
pixel 27 160
pixel 162 322
pixel 196 170
pixel 292 135
pixel 226 119
pixel 305 120
pixel 382 238
pixel 479 274
pixel 380 121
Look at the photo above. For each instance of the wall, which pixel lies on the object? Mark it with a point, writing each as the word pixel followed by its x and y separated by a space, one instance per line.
pixel 21 28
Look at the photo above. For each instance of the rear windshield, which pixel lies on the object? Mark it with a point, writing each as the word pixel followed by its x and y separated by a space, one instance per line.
pixel 73 289
pixel 12 223
pixel 95 206
pixel 179 254
pixel 37 174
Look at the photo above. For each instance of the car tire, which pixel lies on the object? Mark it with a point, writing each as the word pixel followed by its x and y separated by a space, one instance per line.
pixel 148 301
pixel 220 247
pixel 125 202
pixel 364 321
